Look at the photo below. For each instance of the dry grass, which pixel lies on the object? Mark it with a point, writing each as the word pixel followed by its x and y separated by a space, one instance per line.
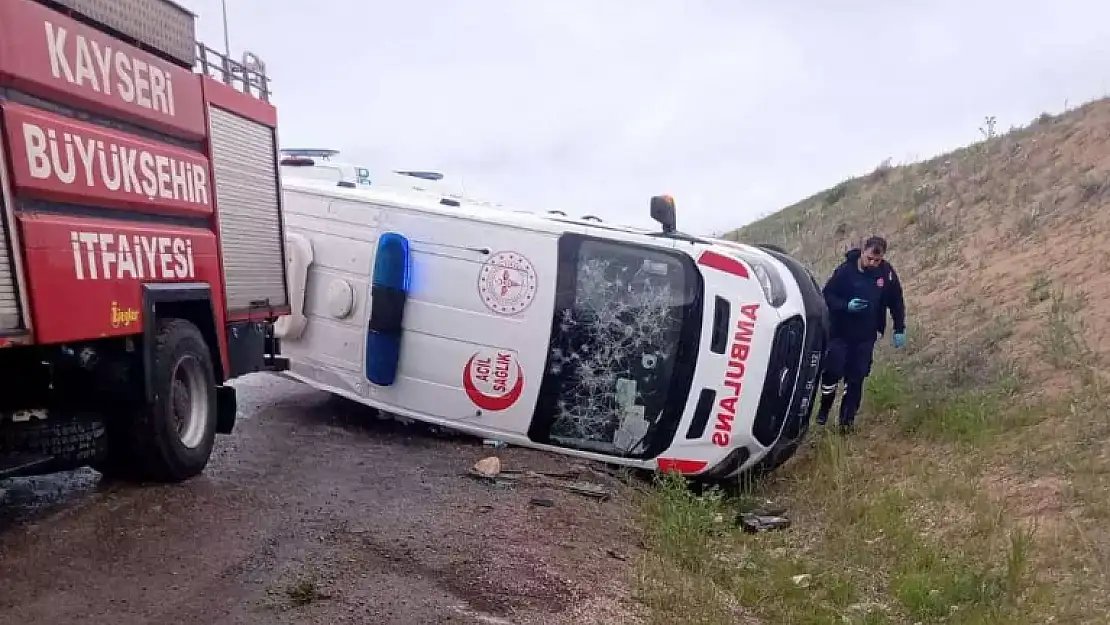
pixel 978 490
pixel 950 507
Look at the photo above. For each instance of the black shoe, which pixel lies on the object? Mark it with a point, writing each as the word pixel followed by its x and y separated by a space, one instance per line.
pixel 847 428
pixel 824 407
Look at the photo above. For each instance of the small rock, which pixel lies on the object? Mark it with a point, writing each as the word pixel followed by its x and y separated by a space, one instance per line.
pixel 801 580
pixel 488 467
pixel 543 502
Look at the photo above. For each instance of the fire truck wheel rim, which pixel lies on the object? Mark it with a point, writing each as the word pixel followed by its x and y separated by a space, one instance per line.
pixel 189 401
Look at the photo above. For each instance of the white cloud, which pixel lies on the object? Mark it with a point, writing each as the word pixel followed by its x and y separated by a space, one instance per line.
pixel 737 108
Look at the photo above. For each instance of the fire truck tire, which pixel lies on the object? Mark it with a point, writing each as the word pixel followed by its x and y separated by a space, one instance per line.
pixel 70 443
pixel 172 437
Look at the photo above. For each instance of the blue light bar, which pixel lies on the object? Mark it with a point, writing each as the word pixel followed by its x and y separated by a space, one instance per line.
pixel 388 293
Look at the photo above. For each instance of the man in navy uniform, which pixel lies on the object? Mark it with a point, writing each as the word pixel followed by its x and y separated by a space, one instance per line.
pixel 859 293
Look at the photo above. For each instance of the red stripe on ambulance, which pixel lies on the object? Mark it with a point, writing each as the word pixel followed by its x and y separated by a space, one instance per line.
pixel 738 353
pixel 720 262
pixel 685 467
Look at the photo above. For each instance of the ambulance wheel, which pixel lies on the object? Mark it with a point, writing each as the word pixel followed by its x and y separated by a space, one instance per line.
pixel 782 451
pixel 170 439
pixel 776 457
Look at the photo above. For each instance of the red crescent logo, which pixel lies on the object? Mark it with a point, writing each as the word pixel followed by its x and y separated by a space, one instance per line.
pixel 493 401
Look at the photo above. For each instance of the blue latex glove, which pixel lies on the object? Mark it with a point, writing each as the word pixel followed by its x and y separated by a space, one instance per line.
pixel 856 304
pixel 899 340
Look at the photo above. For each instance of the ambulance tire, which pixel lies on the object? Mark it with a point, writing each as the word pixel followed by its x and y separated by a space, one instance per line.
pixel 776 457
pixel 782 451
pixel 150 444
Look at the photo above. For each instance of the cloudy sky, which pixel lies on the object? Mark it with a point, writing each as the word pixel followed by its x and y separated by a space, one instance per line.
pixel 737 108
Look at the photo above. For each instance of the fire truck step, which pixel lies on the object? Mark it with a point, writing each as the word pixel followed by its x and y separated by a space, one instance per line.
pixel 14 464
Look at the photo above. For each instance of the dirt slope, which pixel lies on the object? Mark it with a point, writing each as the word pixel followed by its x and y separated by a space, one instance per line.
pixel 1001 245
pixel 977 489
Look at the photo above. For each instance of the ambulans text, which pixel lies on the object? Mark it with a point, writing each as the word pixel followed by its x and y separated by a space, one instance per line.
pixel 734 374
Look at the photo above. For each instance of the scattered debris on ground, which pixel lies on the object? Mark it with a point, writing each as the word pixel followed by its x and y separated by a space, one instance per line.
pixel 768 516
pixel 489 469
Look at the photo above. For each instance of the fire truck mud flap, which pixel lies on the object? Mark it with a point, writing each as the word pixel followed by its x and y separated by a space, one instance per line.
pixel 227 407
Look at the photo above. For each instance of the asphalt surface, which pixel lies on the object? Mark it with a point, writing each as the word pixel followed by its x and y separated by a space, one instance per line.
pixel 315 511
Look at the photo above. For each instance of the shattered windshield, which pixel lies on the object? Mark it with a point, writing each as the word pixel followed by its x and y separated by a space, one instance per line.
pixel 623 345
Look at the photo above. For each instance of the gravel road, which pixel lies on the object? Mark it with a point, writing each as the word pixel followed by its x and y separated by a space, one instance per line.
pixel 313 511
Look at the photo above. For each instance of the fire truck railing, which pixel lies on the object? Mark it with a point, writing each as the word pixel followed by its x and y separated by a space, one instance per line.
pixel 248 75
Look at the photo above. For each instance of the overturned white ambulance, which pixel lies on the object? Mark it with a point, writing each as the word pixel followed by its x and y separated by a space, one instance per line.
pixel 655 350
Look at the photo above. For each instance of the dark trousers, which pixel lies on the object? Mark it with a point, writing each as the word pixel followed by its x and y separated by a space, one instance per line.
pixel 849 361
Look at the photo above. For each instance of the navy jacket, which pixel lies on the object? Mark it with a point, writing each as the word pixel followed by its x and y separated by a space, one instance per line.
pixel 879 285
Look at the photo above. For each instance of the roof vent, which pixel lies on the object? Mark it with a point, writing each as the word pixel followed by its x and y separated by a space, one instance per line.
pixel 309 152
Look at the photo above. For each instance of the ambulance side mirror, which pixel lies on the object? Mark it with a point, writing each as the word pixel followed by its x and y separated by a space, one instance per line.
pixel 663 211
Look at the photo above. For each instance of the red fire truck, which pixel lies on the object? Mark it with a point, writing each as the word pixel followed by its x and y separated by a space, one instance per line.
pixel 141 252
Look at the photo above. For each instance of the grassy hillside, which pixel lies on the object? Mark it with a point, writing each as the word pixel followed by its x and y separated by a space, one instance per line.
pixel 977 490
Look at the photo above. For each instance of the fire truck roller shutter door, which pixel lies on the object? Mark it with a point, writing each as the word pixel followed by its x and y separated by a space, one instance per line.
pixel 244 165
pixel 9 295
pixel 9 292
